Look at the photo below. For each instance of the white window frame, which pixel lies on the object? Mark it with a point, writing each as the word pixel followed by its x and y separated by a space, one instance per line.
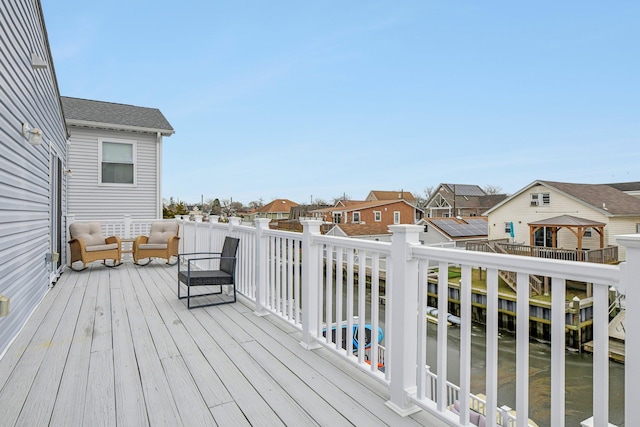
pixel 540 199
pixel 134 145
pixel 546 199
pixel 377 216
pixel 396 217
pixel 355 217
pixel 535 199
pixel 588 232
pixel 507 227
pixel 338 216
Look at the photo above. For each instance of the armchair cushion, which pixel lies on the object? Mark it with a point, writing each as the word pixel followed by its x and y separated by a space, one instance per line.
pixel 89 232
pixel 160 232
pixel 105 247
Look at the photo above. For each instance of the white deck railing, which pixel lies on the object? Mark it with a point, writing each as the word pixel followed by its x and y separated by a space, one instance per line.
pixel 297 276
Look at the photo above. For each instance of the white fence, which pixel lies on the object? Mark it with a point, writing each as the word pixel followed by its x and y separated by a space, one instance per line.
pixel 316 281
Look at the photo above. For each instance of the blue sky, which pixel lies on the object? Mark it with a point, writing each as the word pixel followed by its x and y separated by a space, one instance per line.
pixel 297 99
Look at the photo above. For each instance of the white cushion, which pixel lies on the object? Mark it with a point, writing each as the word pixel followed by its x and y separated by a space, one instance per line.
pixel 152 246
pixel 160 232
pixel 102 247
pixel 89 232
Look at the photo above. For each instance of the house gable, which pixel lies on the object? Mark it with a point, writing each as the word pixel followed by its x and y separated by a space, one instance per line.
pixel 460 200
pixel 95 128
pixel 554 199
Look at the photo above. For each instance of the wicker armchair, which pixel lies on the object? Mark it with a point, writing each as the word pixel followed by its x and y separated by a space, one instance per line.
pixel 88 244
pixel 162 242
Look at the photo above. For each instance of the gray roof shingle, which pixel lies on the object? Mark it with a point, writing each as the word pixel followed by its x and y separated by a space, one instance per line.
pixel 613 200
pixel 101 112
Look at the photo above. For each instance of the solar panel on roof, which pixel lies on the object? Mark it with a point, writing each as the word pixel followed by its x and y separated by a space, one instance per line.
pixel 455 229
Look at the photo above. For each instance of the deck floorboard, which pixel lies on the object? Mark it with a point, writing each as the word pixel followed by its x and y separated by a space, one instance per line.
pixel 115 347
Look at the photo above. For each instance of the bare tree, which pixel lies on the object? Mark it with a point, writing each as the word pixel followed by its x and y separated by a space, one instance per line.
pixel 492 189
pixel 255 204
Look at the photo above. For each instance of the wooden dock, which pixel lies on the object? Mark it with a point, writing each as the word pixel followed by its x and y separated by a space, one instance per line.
pixel 115 347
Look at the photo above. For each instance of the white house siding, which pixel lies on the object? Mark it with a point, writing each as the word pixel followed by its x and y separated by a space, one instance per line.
pixel 26 95
pixel 433 236
pixel 519 211
pixel 622 225
pixel 88 200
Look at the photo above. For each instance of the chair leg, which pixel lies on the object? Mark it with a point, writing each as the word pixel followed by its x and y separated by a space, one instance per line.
pixel 146 263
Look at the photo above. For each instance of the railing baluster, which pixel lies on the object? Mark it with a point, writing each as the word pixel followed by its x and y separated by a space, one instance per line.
pixel 522 350
pixel 290 279
pixel 422 328
pixel 558 335
pixel 492 344
pixel 443 298
pixel 362 286
pixel 328 295
pixel 339 319
pixel 465 342
pixel 350 285
pixel 600 355
pixel 375 315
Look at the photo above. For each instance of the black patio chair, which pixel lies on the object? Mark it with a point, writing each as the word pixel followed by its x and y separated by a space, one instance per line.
pixel 215 281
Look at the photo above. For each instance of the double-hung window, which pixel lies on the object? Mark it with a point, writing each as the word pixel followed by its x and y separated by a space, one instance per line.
pixel 356 217
pixel 377 216
pixel 117 161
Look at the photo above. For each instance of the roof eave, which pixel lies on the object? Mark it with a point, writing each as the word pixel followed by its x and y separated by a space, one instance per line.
pixel 112 126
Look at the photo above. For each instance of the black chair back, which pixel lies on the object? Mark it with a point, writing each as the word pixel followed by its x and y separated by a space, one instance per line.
pixel 229 249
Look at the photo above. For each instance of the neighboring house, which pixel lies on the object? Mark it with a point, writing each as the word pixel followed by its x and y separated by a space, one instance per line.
pixel 453 231
pixel 384 212
pixel 453 200
pixel 33 152
pixel 374 231
pixel 391 195
pixel 530 216
pixel 115 158
pixel 277 209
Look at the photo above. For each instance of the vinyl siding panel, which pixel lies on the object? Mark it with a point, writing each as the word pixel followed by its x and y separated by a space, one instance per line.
pixel 26 95
pixel 90 200
pixel 622 225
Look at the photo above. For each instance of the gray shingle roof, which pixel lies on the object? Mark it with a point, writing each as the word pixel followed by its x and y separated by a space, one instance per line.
pixel 568 221
pixel 100 112
pixel 615 201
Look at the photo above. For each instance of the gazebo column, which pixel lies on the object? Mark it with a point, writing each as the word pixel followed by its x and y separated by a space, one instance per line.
pixel 580 234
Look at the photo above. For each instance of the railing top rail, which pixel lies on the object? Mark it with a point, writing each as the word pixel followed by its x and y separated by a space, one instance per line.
pixel 360 244
pixel 588 272
pixel 283 233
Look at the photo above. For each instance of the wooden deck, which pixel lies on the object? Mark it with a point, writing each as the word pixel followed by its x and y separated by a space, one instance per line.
pixel 115 347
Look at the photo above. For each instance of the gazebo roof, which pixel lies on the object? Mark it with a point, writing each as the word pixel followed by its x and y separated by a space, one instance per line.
pixel 567 221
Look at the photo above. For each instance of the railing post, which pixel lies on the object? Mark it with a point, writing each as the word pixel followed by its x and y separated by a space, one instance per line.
pixel 402 344
pixel 262 254
pixel 311 286
pixel 127 227
pixel 631 288
pixel 233 222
